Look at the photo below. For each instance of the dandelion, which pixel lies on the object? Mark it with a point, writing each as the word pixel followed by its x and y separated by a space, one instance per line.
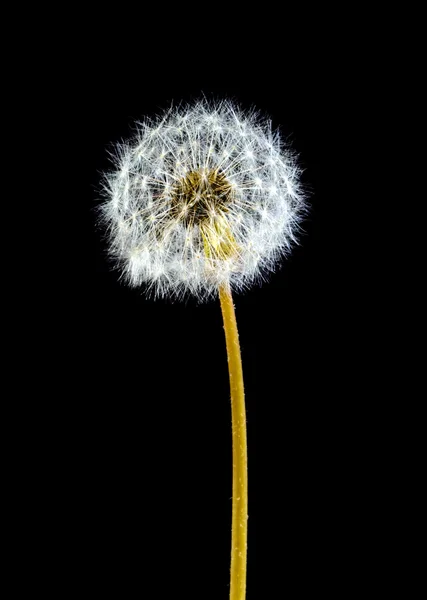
pixel 204 201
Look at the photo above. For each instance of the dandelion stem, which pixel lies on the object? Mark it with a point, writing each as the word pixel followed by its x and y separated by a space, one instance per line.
pixel 239 530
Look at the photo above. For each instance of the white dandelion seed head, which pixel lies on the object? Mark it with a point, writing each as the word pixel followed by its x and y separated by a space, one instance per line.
pixel 203 196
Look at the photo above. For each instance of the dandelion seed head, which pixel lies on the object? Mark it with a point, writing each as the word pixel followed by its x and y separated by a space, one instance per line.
pixel 203 196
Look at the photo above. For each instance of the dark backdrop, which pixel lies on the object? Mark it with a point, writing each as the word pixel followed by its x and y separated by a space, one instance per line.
pixel 140 416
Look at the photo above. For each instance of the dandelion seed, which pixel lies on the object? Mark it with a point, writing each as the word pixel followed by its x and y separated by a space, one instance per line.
pixel 204 168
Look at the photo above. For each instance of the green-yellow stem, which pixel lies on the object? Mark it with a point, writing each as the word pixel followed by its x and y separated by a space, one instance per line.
pixel 239 531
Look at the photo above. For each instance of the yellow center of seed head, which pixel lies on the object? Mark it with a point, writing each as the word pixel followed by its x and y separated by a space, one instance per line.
pixel 202 198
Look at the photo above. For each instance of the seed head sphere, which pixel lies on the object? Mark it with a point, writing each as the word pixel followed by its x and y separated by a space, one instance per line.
pixel 204 196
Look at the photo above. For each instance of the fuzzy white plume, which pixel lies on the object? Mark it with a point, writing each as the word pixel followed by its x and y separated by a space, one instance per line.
pixel 203 196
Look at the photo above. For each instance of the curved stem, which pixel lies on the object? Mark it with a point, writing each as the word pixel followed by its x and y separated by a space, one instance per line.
pixel 239 532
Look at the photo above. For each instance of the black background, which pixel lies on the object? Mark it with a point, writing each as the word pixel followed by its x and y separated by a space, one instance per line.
pixel 139 427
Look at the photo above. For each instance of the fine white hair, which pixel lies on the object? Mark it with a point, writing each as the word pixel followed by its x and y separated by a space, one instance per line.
pixel 239 239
